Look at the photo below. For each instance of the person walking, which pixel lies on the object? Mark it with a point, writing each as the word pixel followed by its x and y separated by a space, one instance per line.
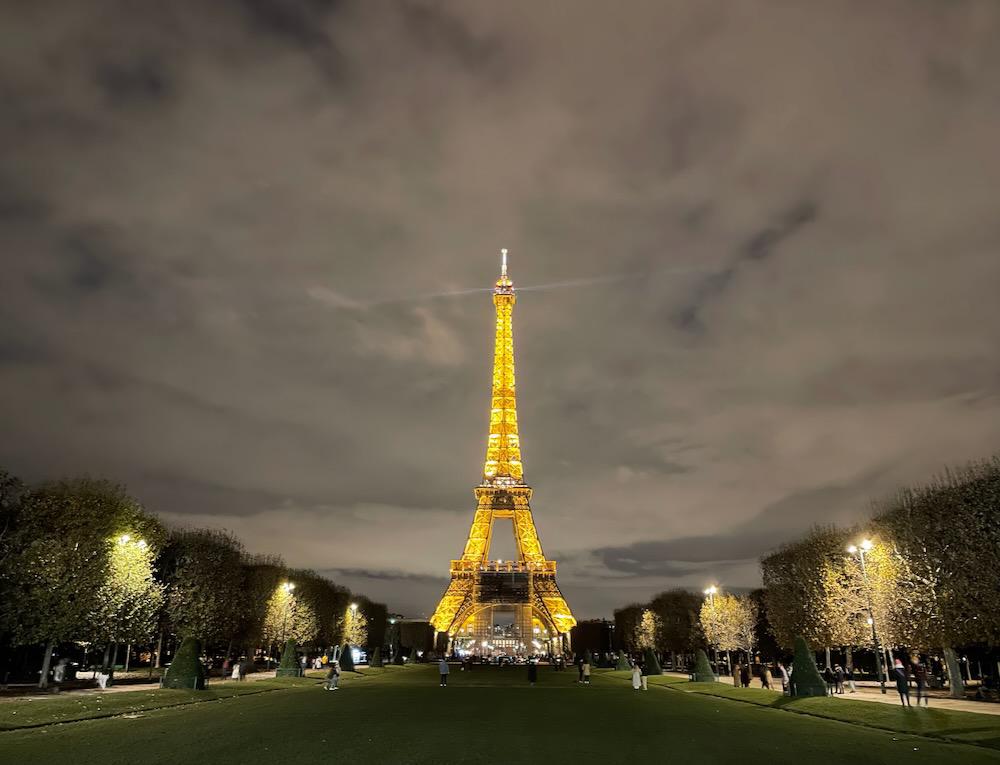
pixel 784 677
pixel 766 680
pixel 579 666
pixel 838 678
pixel 849 676
pixel 443 669
pixel 532 672
pixel 745 675
pixel 828 679
pixel 332 676
pixel 920 675
pixel 902 683
pixel 586 672
pixel 647 668
pixel 636 676
pixel 737 671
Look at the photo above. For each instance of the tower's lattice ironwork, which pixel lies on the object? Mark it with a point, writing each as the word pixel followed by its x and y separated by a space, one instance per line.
pixel 538 618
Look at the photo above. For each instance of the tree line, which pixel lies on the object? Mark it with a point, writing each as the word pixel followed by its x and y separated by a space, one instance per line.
pixel 924 571
pixel 82 562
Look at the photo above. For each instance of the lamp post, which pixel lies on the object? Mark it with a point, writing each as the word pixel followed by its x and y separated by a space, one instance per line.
pixel 860 550
pixel 710 592
pixel 287 587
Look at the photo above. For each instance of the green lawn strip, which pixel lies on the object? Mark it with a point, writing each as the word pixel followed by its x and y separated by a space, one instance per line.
pixel 73 707
pixel 486 715
pixel 964 727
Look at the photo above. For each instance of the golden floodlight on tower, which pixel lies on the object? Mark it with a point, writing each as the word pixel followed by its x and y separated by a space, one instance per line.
pixel 499 606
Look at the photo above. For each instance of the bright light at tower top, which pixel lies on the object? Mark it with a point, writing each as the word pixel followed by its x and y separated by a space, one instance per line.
pixel 503 263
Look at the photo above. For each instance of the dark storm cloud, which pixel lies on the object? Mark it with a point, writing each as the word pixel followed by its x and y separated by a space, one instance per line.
pixel 760 245
pixel 245 245
pixel 748 540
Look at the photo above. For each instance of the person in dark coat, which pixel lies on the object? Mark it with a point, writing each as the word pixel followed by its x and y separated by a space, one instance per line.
pixel 838 678
pixel 902 683
pixel 920 675
pixel 829 679
pixel 745 675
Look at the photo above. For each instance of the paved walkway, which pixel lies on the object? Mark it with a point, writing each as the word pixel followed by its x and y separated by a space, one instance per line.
pixel 870 692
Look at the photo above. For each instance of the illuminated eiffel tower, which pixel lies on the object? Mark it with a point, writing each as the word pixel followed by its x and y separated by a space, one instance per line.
pixel 492 606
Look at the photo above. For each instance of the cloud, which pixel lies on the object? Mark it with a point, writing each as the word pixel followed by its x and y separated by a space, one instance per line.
pixel 245 247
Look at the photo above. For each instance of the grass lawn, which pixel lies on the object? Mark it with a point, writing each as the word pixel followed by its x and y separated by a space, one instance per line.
pixel 400 715
pixel 959 726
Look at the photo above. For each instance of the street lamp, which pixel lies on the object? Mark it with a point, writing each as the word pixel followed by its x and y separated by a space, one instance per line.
pixel 287 587
pixel 860 550
pixel 710 592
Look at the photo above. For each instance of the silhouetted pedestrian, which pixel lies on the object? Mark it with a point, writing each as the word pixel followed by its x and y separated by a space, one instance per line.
pixel 333 676
pixel 920 675
pixel 443 669
pixel 902 682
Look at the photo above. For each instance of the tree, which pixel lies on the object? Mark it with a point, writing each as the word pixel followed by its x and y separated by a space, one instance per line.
pixel 945 538
pixel 806 680
pixel 626 626
pixel 261 576
pixel 745 616
pixel 703 669
pixel 11 489
pixel 59 560
pixel 289 665
pixel 204 579
pixel 677 613
pixel 355 626
pixel 721 622
pixel 289 617
pixel 129 600
pixel 795 587
pixel 647 630
pixel 186 670
pixel 650 664
pixel 326 601
pixel 346 659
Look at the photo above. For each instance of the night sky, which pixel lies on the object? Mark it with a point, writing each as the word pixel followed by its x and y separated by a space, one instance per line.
pixel 245 245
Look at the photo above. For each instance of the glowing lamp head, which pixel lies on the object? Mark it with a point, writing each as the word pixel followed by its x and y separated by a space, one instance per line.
pixel 866 545
pixel 852 549
pixel 712 590
pixel 288 586
pixel 354 606
pixel 142 544
pixel 124 539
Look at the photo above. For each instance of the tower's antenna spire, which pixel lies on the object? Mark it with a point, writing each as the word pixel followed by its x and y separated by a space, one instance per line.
pixel 503 263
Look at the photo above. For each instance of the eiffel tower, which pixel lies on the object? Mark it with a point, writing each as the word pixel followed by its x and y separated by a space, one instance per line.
pixel 481 590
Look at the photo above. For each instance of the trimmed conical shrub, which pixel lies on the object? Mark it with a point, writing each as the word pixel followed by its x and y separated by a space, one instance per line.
pixel 186 671
pixel 703 669
pixel 806 679
pixel 376 659
pixel 623 662
pixel 650 664
pixel 346 659
pixel 289 666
